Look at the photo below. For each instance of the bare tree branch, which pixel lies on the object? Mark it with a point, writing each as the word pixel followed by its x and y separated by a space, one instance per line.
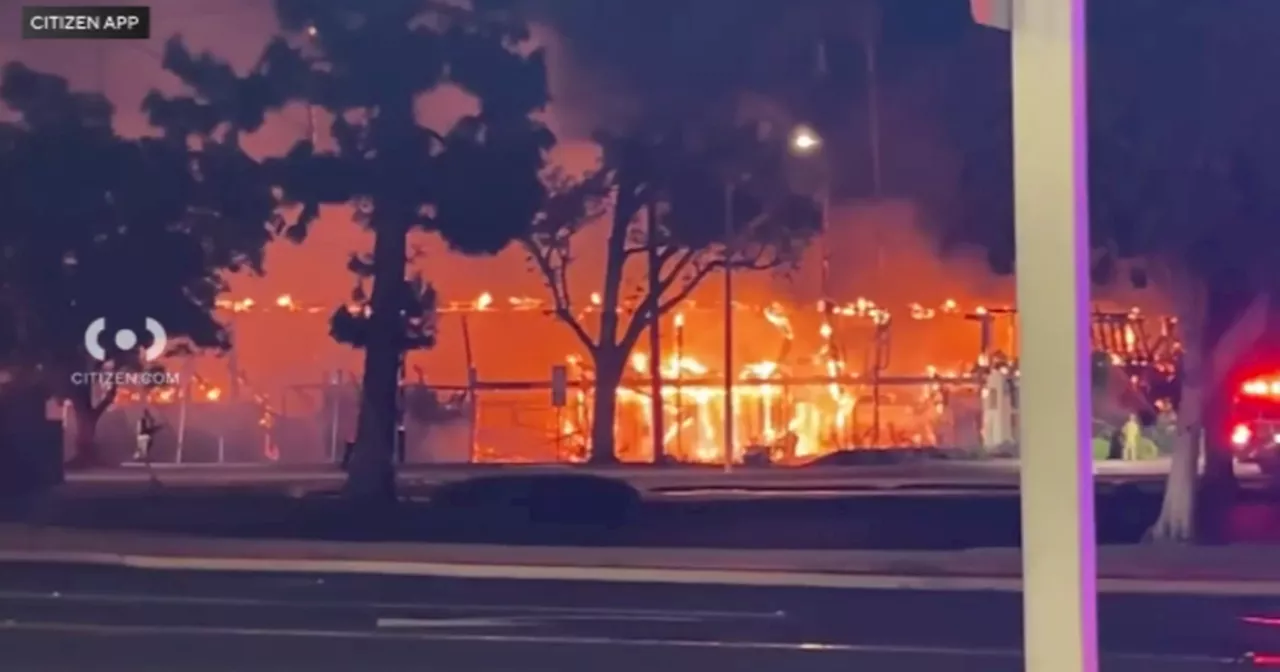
pixel 643 317
pixel 700 273
pixel 555 276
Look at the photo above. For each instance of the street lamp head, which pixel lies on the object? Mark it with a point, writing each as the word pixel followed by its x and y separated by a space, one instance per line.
pixel 805 140
pixel 992 13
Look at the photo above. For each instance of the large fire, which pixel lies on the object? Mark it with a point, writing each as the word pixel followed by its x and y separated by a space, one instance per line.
pixel 790 407
pixel 806 399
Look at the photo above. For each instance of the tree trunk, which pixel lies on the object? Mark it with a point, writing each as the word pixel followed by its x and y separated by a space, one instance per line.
pixel 371 473
pixel 86 412
pixel 604 410
pixel 1178 510
pixel 1177 513
pixel 86 452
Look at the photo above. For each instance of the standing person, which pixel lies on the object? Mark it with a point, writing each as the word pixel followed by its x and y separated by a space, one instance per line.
pixel 1131 434
pixel 148 427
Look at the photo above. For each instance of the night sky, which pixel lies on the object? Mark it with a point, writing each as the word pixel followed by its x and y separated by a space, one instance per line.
pixel 612 63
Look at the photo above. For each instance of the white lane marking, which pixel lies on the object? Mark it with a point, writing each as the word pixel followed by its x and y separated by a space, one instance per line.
pixel 428 636
pixel 520 610
pixel 758 578
pixel 451 623
pixel 887 492
pixel 527 620
pixel 725 577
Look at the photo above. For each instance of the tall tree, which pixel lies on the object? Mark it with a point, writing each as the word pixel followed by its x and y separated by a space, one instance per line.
pixel 1183 190
pixel 477 185
pixel 100 226
pixel 725 200
pixel 1186 181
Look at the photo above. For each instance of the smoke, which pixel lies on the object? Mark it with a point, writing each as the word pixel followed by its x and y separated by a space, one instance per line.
pixel 784 63
pixel 939 85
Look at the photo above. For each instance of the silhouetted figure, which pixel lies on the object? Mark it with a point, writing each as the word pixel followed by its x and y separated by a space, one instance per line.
pixel 347 449
pixel 148 427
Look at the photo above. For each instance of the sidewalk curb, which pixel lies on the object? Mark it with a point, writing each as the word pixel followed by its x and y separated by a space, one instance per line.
pixel 730 577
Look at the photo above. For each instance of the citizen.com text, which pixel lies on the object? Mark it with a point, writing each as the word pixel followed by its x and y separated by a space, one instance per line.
pixel 126 378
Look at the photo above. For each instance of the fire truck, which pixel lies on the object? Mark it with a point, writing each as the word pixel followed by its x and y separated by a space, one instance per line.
pixel 1255 423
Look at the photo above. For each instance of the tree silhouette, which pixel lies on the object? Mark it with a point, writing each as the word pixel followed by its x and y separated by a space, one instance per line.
pixel 1183 191
pixel 99 226
pixel 691 178
pixel 477 185
pixel 1185 180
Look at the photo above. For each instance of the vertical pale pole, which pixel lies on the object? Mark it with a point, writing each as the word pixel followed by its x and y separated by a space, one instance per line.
pixel 728 327
pixel 184 400
pixel 1052 225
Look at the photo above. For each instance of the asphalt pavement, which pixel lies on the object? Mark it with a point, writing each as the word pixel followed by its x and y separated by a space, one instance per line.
pixel 64 618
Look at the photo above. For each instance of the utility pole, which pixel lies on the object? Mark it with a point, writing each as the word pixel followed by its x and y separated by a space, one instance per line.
pixel 657 407
pixel 728 326
pixel 871 58
pixel 1051 230
pixel 871 55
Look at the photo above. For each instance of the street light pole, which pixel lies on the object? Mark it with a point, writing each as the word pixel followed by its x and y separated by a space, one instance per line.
pixel 1050 142
pixel 728 326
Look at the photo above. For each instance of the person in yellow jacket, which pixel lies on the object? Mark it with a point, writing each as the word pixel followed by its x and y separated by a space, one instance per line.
pixel 1131 438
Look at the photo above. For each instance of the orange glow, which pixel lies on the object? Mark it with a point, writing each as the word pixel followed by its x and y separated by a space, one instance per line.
pixel 860 307
pixel 794 421
pixel 805 388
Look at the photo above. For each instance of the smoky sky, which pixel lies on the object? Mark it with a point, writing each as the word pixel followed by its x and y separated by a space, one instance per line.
pixel 674 55
pixel 665 61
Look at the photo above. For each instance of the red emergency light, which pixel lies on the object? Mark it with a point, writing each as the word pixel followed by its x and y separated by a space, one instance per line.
pixel 1241 435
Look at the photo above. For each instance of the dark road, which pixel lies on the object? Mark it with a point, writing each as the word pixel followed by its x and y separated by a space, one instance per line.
pixel 75 618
